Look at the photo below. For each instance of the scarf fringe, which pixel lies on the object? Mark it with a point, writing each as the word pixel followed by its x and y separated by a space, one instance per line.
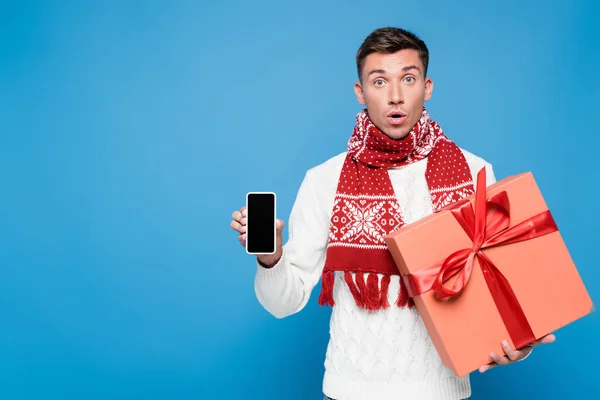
pixel 353 289
pixel 373 294
pixel 403 299
pixel 385 284
pixel 326 296
pixel 368 295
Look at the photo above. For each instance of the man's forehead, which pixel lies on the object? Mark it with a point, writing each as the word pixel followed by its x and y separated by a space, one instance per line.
pixel 397 60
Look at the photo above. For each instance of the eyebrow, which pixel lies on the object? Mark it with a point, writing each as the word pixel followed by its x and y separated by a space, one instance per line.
pixel 376 71
pixel 404 69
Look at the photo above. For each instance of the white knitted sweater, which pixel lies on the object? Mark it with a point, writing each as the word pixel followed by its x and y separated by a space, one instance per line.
pixel 380 355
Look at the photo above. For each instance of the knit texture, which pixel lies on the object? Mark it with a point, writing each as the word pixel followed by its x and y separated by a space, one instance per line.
pixel 385 354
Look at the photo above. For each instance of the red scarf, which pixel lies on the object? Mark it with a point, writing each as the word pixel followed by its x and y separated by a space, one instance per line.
pixel 366 209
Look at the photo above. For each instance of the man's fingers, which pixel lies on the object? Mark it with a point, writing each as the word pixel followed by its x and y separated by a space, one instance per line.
pixel 242 239
pixel 239 220
pixel 239 215
pixel 511 353
pixel 547 339
pixel 238 227
pixel 487 367
pixel 499 360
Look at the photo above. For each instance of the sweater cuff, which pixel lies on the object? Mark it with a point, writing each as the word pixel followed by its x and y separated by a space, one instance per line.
pixel 522 359
pixel 277 271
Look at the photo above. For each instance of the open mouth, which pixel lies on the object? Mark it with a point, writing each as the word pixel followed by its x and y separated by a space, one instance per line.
pixel 396 118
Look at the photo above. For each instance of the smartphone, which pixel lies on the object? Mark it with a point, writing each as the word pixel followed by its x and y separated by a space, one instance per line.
pixel 261 222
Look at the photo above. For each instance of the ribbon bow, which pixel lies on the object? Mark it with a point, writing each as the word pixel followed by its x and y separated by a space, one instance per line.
pixel 487 225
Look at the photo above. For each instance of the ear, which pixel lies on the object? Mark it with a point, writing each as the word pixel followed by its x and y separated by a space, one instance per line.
pixel 358 91
pixel 428 89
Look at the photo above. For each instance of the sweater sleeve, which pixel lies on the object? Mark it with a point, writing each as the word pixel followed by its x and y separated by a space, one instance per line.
pixel 285 288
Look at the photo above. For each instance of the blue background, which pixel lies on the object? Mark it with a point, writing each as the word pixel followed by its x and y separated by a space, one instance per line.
pixel 130 132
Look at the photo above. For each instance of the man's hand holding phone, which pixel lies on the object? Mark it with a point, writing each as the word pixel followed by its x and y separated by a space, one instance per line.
pixel 259 230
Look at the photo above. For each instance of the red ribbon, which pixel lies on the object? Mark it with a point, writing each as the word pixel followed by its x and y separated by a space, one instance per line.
pixel 487 226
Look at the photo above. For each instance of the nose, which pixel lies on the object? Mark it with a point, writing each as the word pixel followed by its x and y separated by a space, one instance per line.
pixel 396 96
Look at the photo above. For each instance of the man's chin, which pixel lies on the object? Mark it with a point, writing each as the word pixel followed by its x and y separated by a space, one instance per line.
pixel 396 134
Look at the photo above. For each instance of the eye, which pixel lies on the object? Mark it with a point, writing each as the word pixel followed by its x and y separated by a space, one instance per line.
pixel 378 82
pixel 410 79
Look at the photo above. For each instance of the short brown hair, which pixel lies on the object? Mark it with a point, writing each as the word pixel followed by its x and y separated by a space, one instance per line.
pixel 388 41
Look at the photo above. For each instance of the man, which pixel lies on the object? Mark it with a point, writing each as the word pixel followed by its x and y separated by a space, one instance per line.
pixel 399 167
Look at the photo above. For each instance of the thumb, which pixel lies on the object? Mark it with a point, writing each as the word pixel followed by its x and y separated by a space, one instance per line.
pixel 279 227
pixel 547 339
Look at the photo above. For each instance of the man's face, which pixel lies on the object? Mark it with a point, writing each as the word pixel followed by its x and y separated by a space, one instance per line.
pixel 394 90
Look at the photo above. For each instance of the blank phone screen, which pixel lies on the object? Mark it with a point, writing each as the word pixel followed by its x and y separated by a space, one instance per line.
pixel 260 223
